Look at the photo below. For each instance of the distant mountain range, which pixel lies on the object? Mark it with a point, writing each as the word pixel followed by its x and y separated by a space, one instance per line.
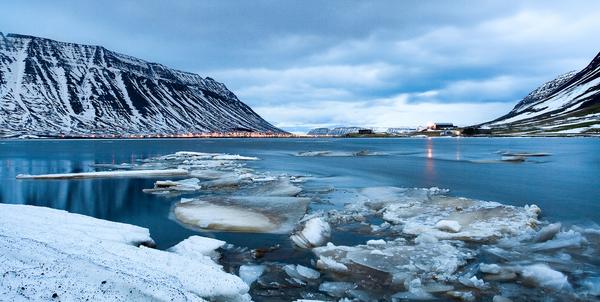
pixel 341 131
pixel 569 104
pixel 55 88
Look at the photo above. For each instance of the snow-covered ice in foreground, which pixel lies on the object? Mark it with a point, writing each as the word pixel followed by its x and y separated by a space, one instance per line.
pixel 198 246
pixel 46 252
pixel 258 214
pixel 108 174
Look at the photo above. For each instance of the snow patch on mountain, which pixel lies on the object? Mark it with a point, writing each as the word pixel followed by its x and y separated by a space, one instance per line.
pixel 569 104
pixel 56 88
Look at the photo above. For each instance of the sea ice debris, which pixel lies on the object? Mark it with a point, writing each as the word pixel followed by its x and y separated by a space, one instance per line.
pixel 109 174
pixel 448 226
pixel 315 232
pixel 544 276
pixel 197 247
pixel 276 215
pixel 249 273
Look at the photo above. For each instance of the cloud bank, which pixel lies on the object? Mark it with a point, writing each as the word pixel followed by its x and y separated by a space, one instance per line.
pixel 314 63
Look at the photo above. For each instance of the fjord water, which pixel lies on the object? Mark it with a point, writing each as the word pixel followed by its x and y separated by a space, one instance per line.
pixel 565 184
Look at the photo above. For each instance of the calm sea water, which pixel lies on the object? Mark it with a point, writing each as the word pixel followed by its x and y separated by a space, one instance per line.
pixel 566 184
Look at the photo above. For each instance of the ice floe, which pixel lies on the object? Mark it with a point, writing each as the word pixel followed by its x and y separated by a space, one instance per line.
pixel 395 262
pixel 315 232
pixel 249 273
pixel 108 174
pixel 258 214
pixel 167 186
pixel 429 211
pixel 197 247
pixel 51 254
pixel 544 276
pixel 337 153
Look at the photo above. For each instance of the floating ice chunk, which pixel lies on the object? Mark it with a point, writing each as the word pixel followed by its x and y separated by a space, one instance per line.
pixel 307 273
pixel 210 174
pixel 165 186
pixel 592 285
pixel 80 257
pixel 233 157
pixel 526 154
pixel 300 272
pixel 561 240
pixel 448 226
pixel 465 296
pixel 315 232
pixel 276 215
pixel 500 299
pixel 548 232
pixel 426 260
pixel 327 263
pixel 225 218
pixel 415 291
pixel 472 282
pixel 197 246
pixel 478 220
pixel 489 268
pixel 203 156
pixel 544 276
pixel 230 180
pixel 336 153
pixel 336 289
pixel 109 174
pixel 514 159
pixel 425 239
pixel 249 273
pixel 376 242
pixel 282 187
pixel 189 154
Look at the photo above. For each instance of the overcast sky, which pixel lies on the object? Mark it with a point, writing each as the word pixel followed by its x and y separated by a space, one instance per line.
pixel 305 64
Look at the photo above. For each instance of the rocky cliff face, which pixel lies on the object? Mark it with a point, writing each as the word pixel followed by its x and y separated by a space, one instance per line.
pixel 51 88
pixel 567 104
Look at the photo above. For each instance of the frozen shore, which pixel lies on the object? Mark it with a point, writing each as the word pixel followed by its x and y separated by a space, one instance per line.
pixel 52 254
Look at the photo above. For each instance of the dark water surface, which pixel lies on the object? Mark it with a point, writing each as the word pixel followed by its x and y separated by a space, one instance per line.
pixel 566 184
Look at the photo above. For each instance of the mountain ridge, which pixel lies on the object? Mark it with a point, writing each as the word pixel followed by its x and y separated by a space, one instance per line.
pixel 50 87
pixel 569 104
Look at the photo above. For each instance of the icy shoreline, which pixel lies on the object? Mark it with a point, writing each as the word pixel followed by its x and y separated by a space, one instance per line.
pixel 48 254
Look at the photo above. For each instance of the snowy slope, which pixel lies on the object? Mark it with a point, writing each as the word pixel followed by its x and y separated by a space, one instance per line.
pixel 49 88
pixel 567 104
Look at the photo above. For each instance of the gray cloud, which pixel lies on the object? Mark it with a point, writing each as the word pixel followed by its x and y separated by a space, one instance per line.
pixel 305 63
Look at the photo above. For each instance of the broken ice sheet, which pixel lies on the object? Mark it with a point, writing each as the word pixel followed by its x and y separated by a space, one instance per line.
pixel 276 215
pixel 109 174
pixel 418 211
pixel 167 186
pixel 329 153
pixel 395 261
pixel 279 187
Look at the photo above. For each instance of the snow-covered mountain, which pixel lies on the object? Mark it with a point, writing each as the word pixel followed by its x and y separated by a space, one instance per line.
pixel 569 104
pixel 50 88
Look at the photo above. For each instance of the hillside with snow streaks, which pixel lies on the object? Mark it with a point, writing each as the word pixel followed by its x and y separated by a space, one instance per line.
pixel 55 88
pixel 569 104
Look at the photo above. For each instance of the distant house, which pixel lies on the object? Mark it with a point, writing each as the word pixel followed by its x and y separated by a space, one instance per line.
pixel 365 131
pixel 442 126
